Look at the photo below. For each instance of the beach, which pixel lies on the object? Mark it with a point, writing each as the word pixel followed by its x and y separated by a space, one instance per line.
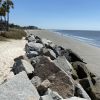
pixel 9 50
pixel 90 54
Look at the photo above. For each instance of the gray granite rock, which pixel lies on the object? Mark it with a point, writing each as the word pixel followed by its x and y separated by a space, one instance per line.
pixel 18 88
pixel 36 81
pixel 31 38
pixel 63 64
pixel 35 46
pixel 28 67
pixel 49 53
pixel 22 65
pixel 32 54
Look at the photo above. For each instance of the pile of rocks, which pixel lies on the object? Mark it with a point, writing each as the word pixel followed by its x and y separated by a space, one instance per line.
pixel 49 72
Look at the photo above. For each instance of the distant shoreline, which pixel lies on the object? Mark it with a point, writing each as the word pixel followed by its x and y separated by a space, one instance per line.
pixel 91 40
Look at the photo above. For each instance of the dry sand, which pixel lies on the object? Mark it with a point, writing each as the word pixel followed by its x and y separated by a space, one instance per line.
pixel 89 53
pixel 8 51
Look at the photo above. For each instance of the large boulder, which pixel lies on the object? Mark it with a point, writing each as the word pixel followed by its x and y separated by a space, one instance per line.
pixel 49 53
pixel 22 65
pixel 60 82
pixel 81 69
pixel 72 56
pixel 63 64
pixel 34 46
pixel 18 88
pixel 45 67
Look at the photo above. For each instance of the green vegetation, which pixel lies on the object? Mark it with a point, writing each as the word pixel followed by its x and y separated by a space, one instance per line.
pixel 22 27
pixel 13 34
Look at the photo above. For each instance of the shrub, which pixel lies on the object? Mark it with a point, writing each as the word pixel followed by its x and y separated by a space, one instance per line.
pixel 14 34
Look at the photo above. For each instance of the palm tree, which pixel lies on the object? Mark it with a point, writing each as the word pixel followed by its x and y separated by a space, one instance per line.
pixel 7 4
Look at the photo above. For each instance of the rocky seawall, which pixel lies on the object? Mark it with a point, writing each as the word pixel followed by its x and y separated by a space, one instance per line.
pixel 49 72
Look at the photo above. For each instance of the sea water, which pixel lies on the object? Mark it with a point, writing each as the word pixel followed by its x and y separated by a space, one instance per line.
pixel 90 37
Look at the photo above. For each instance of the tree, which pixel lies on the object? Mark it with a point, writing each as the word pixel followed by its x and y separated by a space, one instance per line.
pixel 7 4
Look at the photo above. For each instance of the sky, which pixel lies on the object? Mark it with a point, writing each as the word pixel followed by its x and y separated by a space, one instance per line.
pixel 57 14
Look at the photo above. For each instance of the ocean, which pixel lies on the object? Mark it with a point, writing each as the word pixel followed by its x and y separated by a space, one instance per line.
pixel 90 37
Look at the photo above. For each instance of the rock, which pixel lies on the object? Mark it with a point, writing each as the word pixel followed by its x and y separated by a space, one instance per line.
pixel 46 83
pixel 80 92
pixel 28 67
pixel 27 49
pixel 18 67
pixel 36 81
pixel 28 35
pixel 45 67
pixel 81 69
pixel 36 37
pixel 95 91
pixel 43 87
pixel 72 56
pixel 75 98
pixel 46 97
pixel 49 53
pixel 46 42
pixel 60 82
pixel 31 38
pixel 63 85
pixel 32 54
pixel 53 94
pixel 86 83
pixel 22 65
pixel 35 46
pixel 18 88
pixel 63 64
pixel 58 50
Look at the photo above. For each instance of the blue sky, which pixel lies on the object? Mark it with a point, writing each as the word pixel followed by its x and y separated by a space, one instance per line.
pixel 57 14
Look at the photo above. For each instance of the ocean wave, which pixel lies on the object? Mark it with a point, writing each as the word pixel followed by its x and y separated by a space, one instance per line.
pixel 90 41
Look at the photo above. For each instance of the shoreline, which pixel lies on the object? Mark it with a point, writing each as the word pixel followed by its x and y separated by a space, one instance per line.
pixel 89 53
pixel 79 38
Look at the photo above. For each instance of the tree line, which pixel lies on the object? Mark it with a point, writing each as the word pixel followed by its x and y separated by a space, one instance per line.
pixel 5 6
pixel 22 27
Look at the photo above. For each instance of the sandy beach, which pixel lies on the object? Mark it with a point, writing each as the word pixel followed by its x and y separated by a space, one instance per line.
pixel 8 51
pixel 89 53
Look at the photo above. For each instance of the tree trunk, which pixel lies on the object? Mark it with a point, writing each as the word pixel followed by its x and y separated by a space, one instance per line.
pixel 8 21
